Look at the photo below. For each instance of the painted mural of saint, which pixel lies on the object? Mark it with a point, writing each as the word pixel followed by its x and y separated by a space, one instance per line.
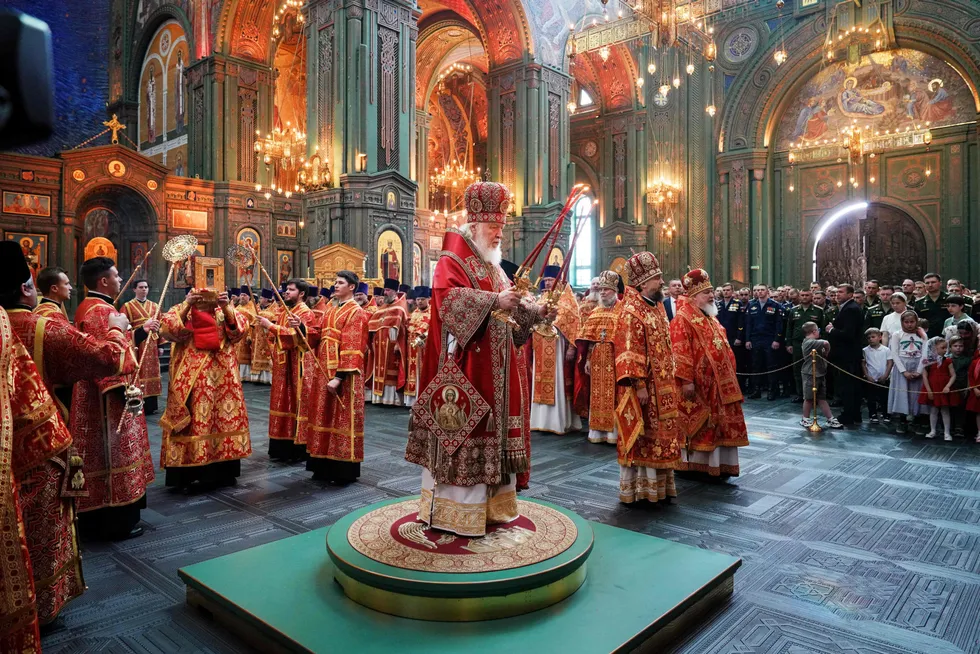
pixel 853 102
pixel 151 104
pixel 811 124
pixel 179 91
pixel 390 265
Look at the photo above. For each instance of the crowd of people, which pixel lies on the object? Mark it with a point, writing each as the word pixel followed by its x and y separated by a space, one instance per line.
pixel 479 365
pixel 900 351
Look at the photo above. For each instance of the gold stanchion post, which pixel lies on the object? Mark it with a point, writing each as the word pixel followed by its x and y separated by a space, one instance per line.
pixel 814 428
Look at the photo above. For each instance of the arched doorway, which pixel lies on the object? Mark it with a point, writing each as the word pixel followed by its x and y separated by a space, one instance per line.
pixel 875 241
pixel 123 217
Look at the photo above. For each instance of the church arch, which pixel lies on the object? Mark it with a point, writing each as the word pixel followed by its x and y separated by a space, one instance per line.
pixel 161 15
pixel 762 91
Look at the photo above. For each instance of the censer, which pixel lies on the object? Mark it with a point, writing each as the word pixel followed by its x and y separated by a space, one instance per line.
pixel 177 250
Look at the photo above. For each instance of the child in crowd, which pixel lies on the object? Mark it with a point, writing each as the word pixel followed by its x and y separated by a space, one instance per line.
pixel 961 360
pixel 877 364
pixel 907 347
pixel 973 395
pixel 815 376
pixel 956 306
pixel 937 382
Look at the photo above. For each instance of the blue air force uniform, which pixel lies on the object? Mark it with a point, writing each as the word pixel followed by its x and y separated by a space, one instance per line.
pixel 763 327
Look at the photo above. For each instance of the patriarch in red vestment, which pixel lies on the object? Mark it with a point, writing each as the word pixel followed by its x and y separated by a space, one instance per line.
pixel 389 329
pixel 289 368
pixel 469 426
pixel 596 350
pixel 141 313
pixel 116 461
pixel 418 330
pixel 61 355
pixel 648 445
pixel 335 430
pixel 710 420
pixel 205 424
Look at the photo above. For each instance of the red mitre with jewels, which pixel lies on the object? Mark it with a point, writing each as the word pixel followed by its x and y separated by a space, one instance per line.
pixel 642 267
pixel 695 281
pixel 486 202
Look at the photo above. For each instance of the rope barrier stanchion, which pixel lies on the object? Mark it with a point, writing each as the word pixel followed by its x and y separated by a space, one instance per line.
pixel 814 427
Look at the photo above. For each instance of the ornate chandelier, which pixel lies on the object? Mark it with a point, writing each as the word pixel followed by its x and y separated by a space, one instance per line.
pixel 282 151
pixel 454 178
pixel 315 173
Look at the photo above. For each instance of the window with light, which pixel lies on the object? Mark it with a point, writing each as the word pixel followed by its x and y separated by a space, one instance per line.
pixel 582 256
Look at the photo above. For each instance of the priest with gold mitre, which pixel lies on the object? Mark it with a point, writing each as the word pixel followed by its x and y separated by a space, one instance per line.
pixel 599 355
pixel 468 426
pixel 711 419
pixel 205 424
pixel 648 445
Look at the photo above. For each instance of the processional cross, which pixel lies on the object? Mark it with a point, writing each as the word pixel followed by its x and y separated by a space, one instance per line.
pixel 115 126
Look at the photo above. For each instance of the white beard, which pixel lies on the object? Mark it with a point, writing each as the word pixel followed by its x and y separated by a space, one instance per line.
pixel 711 309
pixel 595 297
pixel 492 255
pixel 608 304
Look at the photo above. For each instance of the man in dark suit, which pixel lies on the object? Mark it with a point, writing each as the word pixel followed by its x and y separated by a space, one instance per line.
pixel 846 334
pixel 674 290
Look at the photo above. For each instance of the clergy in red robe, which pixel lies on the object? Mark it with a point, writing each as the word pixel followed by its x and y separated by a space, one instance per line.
pixel 389 328
pixel 117 463
pixel 143 316
pixel 468 427
pixel 31 433
pixel 711 420
pixel 62 356
pixel 261 362
pixel 648 445
pixel 599 356
pixel 205 424
pixel 418 330
pixel 53 290
pixel 289 350
pixel 335 430
pixel 580 391
pixel 553 347
pixel 241 300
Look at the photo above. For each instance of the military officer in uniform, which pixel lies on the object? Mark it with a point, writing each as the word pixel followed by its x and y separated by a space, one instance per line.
pixel 932 305
pixel 764 338
pixel 731 315
pixel 795 319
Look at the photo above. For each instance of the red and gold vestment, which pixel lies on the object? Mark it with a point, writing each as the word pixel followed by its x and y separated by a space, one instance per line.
pixel 598 331
pixel 51 310
pixel 418 329
pixel 580 391
pixel 288 370
pixel 702 356
pixel 63 355
pixel 205 420
pixel 389 353
pixel 243 346
pixel 336 422
pixel 464 292
pixel 138 313
pixel 117 465
pixel 261 360
pixel 31 433
pixel 643 360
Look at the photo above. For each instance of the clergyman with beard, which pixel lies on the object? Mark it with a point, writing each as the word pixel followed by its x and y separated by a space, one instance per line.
pixel 596 339
pixel 469 474
pixel 647 445
pixel 710 419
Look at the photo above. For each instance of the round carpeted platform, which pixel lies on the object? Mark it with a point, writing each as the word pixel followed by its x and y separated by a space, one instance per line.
pixel 386 560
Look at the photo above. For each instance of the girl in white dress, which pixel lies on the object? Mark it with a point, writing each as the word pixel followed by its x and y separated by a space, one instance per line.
pixel 908 349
